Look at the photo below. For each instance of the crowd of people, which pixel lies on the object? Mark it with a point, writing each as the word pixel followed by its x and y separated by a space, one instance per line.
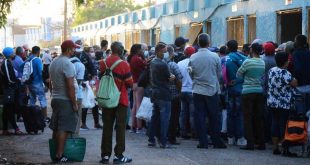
pixel 219 96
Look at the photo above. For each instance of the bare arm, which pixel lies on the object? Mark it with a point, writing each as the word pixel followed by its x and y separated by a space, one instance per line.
pixel 71 92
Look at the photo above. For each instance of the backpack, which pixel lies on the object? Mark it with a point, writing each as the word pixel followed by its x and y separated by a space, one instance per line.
pixel 27 71
pixel 108 94
pixel 296 129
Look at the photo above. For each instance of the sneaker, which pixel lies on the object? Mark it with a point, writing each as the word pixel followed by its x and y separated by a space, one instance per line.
pixel 105 160
pixel 241 142
pixel 84 128
pixel 231 141
pixel 62 159
pixel 132 131
pixel 47 120
pixel 121 159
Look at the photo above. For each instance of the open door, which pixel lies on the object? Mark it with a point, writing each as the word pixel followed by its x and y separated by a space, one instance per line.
pixel 251 28
pixel 289 24
pixel 235 29
pixel 194 31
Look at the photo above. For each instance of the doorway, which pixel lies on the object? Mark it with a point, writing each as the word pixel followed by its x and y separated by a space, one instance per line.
pixel 289 25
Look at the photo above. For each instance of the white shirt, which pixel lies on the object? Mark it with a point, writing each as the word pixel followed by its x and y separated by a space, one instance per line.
pixel 187 83
pixel 47 58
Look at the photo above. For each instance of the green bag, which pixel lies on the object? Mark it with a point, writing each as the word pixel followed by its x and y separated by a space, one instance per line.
pixel 108 94
pixel 75 149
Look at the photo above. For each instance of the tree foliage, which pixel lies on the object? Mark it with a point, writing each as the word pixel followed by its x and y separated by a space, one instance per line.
pixel 5 7
pixel 99 9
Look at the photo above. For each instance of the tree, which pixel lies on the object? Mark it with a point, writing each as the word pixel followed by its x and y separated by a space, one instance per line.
pixel 94 10
pixel 5 7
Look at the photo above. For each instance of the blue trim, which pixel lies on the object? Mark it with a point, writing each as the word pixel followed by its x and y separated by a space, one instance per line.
pixel 152 12
pixel 175 6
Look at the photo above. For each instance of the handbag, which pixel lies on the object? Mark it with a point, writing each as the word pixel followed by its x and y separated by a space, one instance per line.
pixel 88 100
pixel 75 149
pixel 145 109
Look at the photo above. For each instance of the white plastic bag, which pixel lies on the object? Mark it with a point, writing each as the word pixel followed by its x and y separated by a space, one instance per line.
pixel 145 109
pixel 88 100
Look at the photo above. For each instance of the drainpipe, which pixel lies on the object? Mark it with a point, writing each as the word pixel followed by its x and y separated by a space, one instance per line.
pixel 305 15
pixel 245 29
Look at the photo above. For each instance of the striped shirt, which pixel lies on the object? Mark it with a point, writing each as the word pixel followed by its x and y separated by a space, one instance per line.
pixel 252 71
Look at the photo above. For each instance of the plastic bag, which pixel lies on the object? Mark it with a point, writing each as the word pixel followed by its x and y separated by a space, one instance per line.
pixel 145 109
pixel 89 99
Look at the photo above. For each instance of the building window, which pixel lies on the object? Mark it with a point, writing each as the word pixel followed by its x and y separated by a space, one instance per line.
pixel 209 29
pixel 126 18
pixel 106 23
pixel 119 19
pixel 86 27
pixel 157 33
pixel 175 6
pixel 152 12
pixel 113 21
pixel 165 9
pixel 251 28
pixel 79 29
pixel 191 5
pixel 82 28
pixel 207 3
pixel 96 26
pixel 91 27
pixel 235 30
pixel 134 17
pixel 143 15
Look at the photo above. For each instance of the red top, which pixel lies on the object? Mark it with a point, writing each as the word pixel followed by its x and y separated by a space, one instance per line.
pixel 122 76
pixel 137 66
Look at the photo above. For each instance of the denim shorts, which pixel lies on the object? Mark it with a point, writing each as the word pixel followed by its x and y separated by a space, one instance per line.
pixel 37 91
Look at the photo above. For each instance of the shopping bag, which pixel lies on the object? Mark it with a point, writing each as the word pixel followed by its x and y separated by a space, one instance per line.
pixel 75 149
pixel 89 99
pixel 145 109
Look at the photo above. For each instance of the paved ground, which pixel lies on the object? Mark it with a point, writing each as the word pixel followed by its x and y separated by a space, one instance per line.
pixel 33 149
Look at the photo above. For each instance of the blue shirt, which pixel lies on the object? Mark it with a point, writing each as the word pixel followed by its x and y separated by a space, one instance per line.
pixel 37 67
pixel 17 64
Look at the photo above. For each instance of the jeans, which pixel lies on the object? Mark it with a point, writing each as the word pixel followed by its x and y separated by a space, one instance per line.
pixel 207 105
pixel 174 119
pixel 234 117
pixel 278 124
pixel 37 91
pixel 160 118
pixel 302 99
pixel 187 112
pixel 252 107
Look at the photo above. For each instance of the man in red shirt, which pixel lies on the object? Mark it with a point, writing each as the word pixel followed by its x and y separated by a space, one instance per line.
pixel 123 80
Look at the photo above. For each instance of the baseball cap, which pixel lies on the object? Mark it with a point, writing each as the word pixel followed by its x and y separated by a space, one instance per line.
pixel 269 48
pixel 68 44
pixel 180 41
pixel 189 51
pixel 8 52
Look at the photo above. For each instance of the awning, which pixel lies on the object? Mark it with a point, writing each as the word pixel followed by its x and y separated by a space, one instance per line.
pixel 193 33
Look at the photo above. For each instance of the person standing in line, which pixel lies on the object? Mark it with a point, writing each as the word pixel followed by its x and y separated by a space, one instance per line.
pixel 252 70
pixel 79 76
pixel 36 88
pixel 205 70
pixel 123 80
pixel 175 89
pixel 137 64
pixel 10 87
pixel 160 97
pixel 187 102
pixel 235 128
pixel 280 92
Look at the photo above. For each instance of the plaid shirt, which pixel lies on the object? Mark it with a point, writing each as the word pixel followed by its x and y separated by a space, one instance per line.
pixel 174 69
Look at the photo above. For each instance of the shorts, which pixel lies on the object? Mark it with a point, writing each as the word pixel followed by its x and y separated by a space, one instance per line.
pixel 63 116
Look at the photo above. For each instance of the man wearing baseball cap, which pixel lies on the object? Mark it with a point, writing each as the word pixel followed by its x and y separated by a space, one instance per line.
pixel 64 104
pixel 180 43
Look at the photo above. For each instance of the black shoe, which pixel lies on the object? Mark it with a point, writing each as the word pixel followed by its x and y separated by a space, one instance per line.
pixel 261 147
pixel 166 146
pixel 98 126
pixel 62 159
pixel 186 137
pixel 276 152
pixel 247 148
pixel 105 160
pixel 202 146
pixel 220 146
pixel 121 159
pixel 128 127
pixel 151 144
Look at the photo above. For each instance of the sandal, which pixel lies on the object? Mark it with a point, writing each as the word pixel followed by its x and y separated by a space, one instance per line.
pixel 62 159
pixel 121 159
